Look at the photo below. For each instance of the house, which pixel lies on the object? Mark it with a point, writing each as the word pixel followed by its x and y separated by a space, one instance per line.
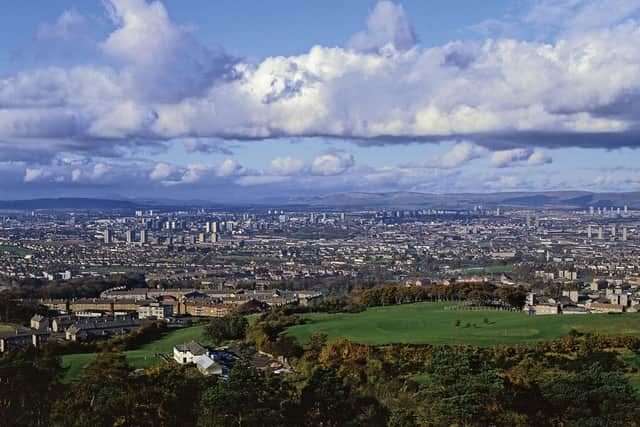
pixel 13 340
pixel 87 329
pixel 61 323
pixel 187 353
pixel 155 310
pixel 207 366
pixel 39 322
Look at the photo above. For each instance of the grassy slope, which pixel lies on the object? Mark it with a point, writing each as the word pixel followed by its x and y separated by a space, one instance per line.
pixel 142 357
pixel 428 323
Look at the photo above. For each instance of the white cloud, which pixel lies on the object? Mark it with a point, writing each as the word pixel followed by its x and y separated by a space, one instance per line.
pixel 388 26
pixel 34 174
pixel 166 85
pixel 162 171
pixel 67 27
pixel 99 170
pixel 519 156
pixel 287 165
pixel 76 175
pixel 460 154
pixel 504 158
pixel 229 167
pixel 332 163
pixel 539 157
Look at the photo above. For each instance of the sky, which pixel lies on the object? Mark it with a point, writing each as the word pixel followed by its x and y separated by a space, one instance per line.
pixel 245 101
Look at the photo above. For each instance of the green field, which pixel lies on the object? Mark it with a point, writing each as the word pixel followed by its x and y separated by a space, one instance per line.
pixel 15 250
pixel 507 268
pixel 429 323
pixel 10 327
pixel 142 357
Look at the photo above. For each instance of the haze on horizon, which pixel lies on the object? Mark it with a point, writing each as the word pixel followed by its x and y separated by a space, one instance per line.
pixel 237 101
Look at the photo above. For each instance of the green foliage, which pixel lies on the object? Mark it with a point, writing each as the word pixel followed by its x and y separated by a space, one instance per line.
pixel 226 328
pixel 266 332
pixel 592 397
pixel 249 398
pixel 462 390
pixel 327 401
pixel 29 383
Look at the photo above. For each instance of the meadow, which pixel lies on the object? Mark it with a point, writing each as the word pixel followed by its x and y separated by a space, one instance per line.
pixel 430 323
pixel 143 357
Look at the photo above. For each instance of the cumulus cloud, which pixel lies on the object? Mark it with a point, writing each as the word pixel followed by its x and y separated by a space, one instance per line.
pixel 539 157
pixel 163 60
pixel 519 156
pixel 501 93
pixel 388 26
pixel 460 154
pixel 504 98
pixel 162 171
pixel 287 165
pixel 229 167
pixel 332 163
pixel 34 174
pixel 69 25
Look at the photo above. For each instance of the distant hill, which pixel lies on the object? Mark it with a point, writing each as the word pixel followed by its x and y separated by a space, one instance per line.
pixel 548 199
pixel 67 203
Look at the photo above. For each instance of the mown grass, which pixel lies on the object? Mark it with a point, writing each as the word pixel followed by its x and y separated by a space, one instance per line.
pixel 429 323
pixel 143 357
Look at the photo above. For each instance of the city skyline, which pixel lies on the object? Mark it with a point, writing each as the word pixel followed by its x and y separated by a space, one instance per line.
pixel 184 100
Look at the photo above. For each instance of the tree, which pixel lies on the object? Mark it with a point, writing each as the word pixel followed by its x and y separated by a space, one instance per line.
pixel 172 394
pixel 104 395
pixel 593 397
pixel 326 401
pixel 248 398
pixel 30 382
pixel 221 329
pixel 462 390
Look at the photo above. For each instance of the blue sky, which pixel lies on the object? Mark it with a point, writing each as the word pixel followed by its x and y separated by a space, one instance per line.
pixel 243 100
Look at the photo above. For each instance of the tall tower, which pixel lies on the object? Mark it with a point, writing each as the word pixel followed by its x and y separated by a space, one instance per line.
pixel 107 236
pixel 624 234
pixel 143 237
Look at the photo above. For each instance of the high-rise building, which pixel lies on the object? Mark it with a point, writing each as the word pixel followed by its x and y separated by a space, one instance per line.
pixel 613 231
pixel 600 233
pixel 624 234
pixel 202 238
pixel 626 209
pixel 129 236
pixel 214 237
pixel 591 211
pixel 143 237
pixel 107 236
pixel 589 232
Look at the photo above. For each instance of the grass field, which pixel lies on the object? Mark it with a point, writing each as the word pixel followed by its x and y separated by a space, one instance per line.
pixel 142 357
pixel 15 250
pixel 10 327
pixel 429 323
pixel 507 268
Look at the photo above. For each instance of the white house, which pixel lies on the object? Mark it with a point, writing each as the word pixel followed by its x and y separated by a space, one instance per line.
pixel 207 366
pixel 187 353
